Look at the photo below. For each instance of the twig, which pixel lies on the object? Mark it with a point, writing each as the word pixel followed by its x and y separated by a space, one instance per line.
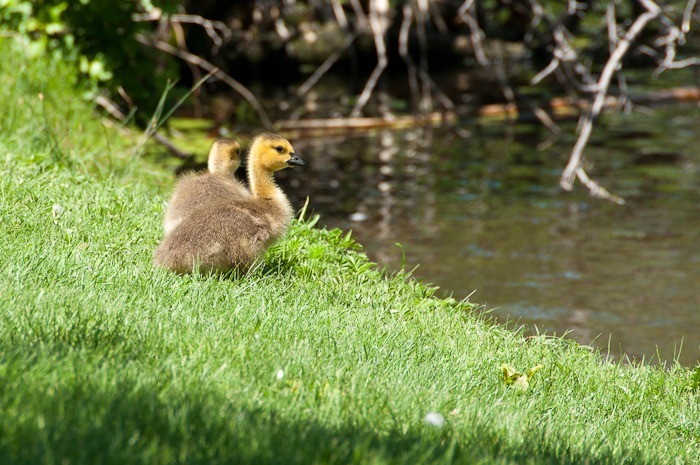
pixel 196 73
pixel 326 65
pixel 506 88
pixel 403 52
pixel 359 13
pixel 218 73
pixel 426 102
pixel 217 31
pixel 340 14
pixel 545 119
pixel 117 114
pixel 379 27
pixel 687 16
pixel 466 12
pixel 574 165
pixel 403 48
pixel 595 189
pixel 613 39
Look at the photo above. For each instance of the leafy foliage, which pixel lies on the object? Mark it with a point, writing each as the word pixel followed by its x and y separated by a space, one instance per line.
pixel 99 36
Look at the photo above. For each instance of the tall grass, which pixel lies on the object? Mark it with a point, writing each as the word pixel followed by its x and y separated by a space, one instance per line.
pixel 316 357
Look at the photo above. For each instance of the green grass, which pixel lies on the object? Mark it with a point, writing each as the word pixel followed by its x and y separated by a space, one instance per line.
pixel 316 357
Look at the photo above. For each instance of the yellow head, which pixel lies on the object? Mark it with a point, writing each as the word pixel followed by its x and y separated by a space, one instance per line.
pixel 273 153
pixel 224 157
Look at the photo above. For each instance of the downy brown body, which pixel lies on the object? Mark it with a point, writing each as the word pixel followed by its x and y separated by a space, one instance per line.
pixel 233 232
pixel 196 189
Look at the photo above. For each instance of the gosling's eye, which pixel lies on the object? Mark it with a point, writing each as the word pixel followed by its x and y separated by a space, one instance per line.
pixel 279 149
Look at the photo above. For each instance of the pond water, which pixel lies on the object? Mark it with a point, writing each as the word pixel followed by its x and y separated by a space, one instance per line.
pixel 477 209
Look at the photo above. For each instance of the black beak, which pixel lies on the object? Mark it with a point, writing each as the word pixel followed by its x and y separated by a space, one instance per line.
pixel 296 161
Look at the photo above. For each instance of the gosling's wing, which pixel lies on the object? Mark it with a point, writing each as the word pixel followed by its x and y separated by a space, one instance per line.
pixel 179 203
pixel 197 190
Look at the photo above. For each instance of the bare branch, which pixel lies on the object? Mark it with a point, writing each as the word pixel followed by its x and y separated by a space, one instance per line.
pixel 196 73
pixel 571 170
pixel 683 63
pixel 359 13
pixel 204 64
pixel 466 12
pixel 326 65
pixel 217 31
pixel 687 16
pixel 596 190
pixel 340 14
pixel 378 11
pixel 468 15
pixel 403 52
pixel 422 16
pixel 117 114
pixel 549 69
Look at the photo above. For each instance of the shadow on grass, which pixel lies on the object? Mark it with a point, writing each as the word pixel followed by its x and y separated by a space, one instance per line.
pixel 132 422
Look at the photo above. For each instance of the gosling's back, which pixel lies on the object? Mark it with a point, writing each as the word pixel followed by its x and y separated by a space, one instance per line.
pixel 222 236
pixel 194 190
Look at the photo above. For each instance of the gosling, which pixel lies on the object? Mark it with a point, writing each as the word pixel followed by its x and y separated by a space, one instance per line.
pixel 231 233
pixel 197 189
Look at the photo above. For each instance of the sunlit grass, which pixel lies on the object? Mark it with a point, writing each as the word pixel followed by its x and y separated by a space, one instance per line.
pixel 317 356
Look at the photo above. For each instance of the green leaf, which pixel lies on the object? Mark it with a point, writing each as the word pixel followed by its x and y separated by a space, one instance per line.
pixel 517 380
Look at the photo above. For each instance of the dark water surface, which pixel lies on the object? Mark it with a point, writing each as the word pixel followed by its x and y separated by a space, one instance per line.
pixel 479 211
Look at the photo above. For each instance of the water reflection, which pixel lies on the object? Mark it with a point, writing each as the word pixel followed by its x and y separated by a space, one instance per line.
pixel 481 210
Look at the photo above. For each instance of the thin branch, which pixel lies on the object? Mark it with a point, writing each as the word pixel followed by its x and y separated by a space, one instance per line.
pixel 179 34
pixel 340 15
pixel 207 66
pixel 217 31
pixel 613 39
pixel 683 63
pixel 421 18
pixel 545 119
pixel 546 71
pixel 595 189
pixel 330 61
pixel 403 48
pixel 687 16
pixel 403 52
pixel 359 13
pixel 466 12
pixel 117 114
pixel 571 170
pixel 379 27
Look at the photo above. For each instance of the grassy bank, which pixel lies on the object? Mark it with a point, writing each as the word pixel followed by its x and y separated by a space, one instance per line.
pixel 317 357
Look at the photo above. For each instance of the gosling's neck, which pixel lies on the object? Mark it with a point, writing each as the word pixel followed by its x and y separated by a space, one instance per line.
pixel 262 183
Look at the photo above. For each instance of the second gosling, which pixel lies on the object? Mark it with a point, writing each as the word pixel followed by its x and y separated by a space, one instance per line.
pixel 231 233
pixel 197 189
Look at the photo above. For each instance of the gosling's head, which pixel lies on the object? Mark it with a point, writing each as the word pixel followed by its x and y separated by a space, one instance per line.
pixel 224 157
pixel 273 153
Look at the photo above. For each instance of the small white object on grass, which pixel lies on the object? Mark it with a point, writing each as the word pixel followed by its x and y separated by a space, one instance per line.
pixel 435 419
pixel 280 374
pixel 56 211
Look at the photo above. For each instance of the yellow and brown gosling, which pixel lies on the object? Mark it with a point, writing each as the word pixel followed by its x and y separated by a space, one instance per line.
pixel 231 233
pixel 196 189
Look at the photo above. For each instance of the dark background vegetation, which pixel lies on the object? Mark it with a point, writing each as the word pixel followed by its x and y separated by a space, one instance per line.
pixel 279 43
